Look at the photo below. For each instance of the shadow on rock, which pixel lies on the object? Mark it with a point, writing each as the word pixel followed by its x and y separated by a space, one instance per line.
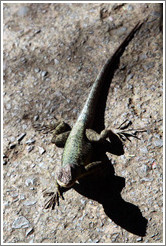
pixel 106 190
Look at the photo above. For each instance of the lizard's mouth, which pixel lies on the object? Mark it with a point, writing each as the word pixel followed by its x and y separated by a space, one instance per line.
pixel 62 184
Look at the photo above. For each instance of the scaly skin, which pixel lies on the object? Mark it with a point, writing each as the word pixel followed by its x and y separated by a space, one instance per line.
pixel 78 156
pixel 78 150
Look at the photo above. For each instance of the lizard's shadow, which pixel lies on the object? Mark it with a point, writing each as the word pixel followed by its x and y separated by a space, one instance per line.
pixel 106 190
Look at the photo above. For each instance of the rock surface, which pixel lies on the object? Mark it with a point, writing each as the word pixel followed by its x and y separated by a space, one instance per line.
pixel 52 54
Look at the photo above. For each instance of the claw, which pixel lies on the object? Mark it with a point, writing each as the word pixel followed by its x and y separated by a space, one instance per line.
pixel 123 126
pixel 48 194
pixel 54 198
pixel 52 202
pixel 124 135
pixel 45 128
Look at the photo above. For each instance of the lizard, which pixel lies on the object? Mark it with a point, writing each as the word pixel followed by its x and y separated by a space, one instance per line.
pixel 79 142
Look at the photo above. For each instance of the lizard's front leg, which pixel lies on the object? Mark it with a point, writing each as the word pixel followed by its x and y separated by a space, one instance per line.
pixel 81 172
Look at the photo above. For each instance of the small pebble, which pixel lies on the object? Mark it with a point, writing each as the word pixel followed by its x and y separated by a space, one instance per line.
pixel 22 197
pixel 4 162
pixel 21 137
pixel 6 204
pixel 30 181
pixel 148 65
pixel 158 143
pixel 56 61
pixel 8 106
pixel 129 77
pixel 12 139
pixel 130 7
pixel 139 239
pixel 20 222
pixel 37 31
pixel 130 87
pixel 44 73
pixel 143 56
pixel 121 30
pixel 30 202
pixel 41 150
pixel 147 179
pixel 37 70
pixel 144 150
pixel 30 148
pixel 23 11
pixel 29 231
pixel 12 146
pixel 30 141
pixel 36 117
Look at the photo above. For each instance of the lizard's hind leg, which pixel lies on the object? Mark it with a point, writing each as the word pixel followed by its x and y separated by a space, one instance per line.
pixel 93 136
pixel 123 135
pixel 60 134
pixel 60 131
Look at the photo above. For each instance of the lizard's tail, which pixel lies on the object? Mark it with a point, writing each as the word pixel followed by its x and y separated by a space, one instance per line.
pixel 91 106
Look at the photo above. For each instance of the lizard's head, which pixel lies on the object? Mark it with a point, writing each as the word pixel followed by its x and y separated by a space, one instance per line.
pixel 66 176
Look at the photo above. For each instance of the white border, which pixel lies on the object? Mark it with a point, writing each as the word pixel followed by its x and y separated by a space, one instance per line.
pixel 2 2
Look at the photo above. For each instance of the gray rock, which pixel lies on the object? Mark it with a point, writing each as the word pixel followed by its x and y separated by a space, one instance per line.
pixel 144 150
pixel 30 141
pixel 4 162
pixel 30 181
pixel 143 170
pixel 147 179
pixel 37 70
pixel 149 65
pixel 44 73
pixel 158 143
pixel 36 117
pixel 22 197
pixel 121 30
pixel 23 11
pixel 30 202
pixel 20 222
pixel 30 148
pixel 56 61
pixel 41 150
pixel 12 146
pixel 8 106
pixel 130 7
pixel 129 77
pixel 21 136
pixel 143 56
pixel 139 239
pixel 29 231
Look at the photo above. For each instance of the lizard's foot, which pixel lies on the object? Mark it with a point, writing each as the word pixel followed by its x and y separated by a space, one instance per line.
pixel 56 127
pixel 125 133
pixel 51 203
pixel 60 131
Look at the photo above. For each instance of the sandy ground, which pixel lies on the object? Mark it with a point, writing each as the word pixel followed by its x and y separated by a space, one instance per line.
pixel 52 54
